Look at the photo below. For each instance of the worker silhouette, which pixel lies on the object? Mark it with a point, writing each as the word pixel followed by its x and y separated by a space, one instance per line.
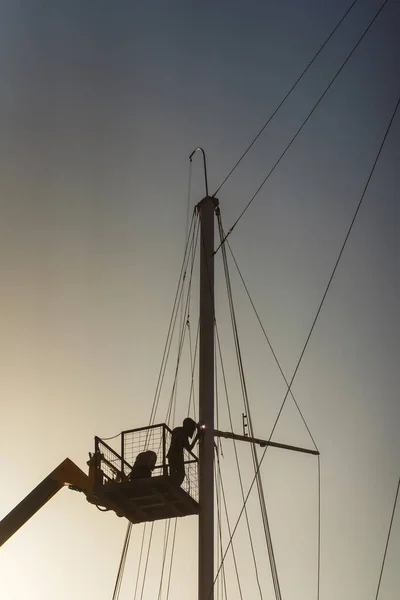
pixel 144 465
pixel 179 443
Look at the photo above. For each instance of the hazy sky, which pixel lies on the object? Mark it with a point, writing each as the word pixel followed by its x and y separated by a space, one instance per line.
pixel 101 104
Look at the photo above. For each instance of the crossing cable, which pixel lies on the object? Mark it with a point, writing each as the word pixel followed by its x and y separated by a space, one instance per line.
pixel 172 322
pixel 314 322
pixel 219 547
pixel 260 488
pixel 217 466
pixel 190 253
pixel 387 541
pixel 185 325
pixel 181 335
pixel 319 530
pixel 167 347
pixel 303 123
pixel 140 560
pixel 270 345
pixel 218 448
pixel 182 317
pixel 192 367
pixel 147 560
pixel 299 410
pixel 166 540
pixel 338 258
pixel 121 569
pixel 237 462
pixel 172 557
pixel 184 321
pixel 300 77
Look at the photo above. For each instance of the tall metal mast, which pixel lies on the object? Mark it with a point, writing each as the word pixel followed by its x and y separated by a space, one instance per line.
pixel 206 210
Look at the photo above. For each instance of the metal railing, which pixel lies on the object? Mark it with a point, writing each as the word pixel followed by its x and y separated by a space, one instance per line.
pixel 158 439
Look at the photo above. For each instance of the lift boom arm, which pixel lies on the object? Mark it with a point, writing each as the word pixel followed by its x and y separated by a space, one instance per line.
pixel 67 473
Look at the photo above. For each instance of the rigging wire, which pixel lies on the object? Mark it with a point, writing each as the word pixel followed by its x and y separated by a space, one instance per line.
pixel 166 540
pixel 184 312
pixel 157 394
pixel 305 121
pixel 286 95
pixel 339 258
pixel 121 569
pixel 140 560
pixel 189 258
pixel 184 328
pixel 387 540
pixel 319 530
pixel 172 323
pixel 219 524
pixel 192 367
pixel 147 560
pixel 172 557
pixel 270 345
pixel 217 465
pixel 315 320
pixel 260 488
pixel 237 463
pixel 182 316
pixel 162 371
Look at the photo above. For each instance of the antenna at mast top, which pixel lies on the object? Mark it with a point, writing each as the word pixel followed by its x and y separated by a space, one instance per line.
pixel 205 165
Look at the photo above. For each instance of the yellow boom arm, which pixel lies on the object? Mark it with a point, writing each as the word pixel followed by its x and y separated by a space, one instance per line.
pixel 67 473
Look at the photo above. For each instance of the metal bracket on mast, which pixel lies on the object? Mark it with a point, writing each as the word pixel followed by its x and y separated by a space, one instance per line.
pixel 205 166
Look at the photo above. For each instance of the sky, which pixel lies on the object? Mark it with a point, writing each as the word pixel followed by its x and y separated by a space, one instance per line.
pixel 101 104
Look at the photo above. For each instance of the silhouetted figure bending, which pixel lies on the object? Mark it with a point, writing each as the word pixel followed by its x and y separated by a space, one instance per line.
pixel 144 465
pixel 179 443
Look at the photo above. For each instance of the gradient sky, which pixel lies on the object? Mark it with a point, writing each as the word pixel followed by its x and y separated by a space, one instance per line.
pixel 101 104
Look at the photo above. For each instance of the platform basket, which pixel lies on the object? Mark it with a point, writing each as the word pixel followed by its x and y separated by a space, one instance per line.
pixel 146 499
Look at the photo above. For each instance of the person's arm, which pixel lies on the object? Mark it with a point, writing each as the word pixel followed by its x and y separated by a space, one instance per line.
pixel 194 442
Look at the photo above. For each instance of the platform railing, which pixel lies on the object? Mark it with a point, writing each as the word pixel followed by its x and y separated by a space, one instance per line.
pixel 158 438
pixel 111 467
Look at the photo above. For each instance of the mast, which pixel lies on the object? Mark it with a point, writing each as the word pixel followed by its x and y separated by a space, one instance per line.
pixel 206 400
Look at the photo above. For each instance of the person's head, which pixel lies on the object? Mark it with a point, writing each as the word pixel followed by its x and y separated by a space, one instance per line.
pixel 189 426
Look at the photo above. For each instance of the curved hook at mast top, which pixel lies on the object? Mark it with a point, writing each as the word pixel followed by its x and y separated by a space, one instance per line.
pixel 205 166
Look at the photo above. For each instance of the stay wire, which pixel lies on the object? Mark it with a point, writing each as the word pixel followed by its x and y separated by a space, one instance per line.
pixel 140 559
pixel 313 325
pixel 305 121
pixel 184 328
pixel 237 463
pixel 339 257
pixel 158 389
pixel 172 322
pixel 219 523
pixel 319 530
pixel 172 558
pixel 166 540
pixel 147 560
pixel 193 359
pixel 260 488
pixel 229 526
pixel 270 345
pixel 181 335
pixel 305 70
pixel 121 569
pixel 167 348
pixel 181 293
pixel 189 193
pixel 184 318
pixel 185 323
pixel 387 540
